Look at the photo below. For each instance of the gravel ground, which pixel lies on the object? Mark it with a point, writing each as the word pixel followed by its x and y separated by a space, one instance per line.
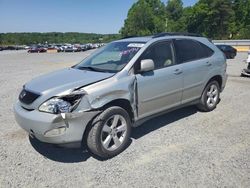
pixel 184 148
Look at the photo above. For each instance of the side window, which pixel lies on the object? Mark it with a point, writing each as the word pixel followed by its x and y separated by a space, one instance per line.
pixel 223 47
pixel 228 48
pixel 189 50
pixel 208 51
pixel 161 53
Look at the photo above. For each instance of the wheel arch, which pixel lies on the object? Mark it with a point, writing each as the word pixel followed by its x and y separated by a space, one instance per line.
pixel 123 103
pixel 217 78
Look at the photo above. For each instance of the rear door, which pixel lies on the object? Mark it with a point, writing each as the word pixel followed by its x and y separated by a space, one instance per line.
pixel 194 56
pixel 161 88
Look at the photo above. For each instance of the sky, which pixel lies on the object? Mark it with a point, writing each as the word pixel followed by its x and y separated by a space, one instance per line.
pixel 88 16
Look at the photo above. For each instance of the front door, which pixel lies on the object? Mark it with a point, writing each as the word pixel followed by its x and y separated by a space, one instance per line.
pixel 161 88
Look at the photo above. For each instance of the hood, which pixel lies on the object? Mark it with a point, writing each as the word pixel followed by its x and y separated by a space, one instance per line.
pixel 62 80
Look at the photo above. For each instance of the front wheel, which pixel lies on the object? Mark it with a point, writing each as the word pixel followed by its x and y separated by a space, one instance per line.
pixel 110 132
pixel 210 97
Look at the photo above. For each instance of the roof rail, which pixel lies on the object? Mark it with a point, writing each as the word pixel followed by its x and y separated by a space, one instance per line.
pixel 176 34
pixel 127 37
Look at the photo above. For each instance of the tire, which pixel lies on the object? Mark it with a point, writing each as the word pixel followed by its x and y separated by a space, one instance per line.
pixel 109 133
pixel 210 97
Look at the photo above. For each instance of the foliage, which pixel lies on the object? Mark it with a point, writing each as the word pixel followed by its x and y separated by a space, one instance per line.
pixel 174 9
pixel 55 37
pixel 216 19
pixel 242 18
pixel 145 18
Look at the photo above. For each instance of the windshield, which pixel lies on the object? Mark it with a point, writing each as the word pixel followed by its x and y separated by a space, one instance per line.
pixel 111 58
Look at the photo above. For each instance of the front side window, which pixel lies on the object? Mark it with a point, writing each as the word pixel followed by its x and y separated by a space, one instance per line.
pixel 161 53
pixel 112 58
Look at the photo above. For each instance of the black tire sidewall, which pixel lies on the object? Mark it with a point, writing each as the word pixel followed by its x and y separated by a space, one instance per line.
pixel 101 120
pixel 204 96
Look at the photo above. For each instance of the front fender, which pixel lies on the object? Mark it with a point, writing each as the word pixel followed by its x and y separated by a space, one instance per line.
pixel 106 91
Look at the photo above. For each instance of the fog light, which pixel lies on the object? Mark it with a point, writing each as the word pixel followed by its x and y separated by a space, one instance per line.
pixel 55 132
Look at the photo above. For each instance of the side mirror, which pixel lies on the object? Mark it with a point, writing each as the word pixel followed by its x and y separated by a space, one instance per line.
pixel 147 65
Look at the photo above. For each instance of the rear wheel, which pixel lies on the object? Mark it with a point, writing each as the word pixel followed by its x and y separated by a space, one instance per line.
pixel 110 132
pixel 210 97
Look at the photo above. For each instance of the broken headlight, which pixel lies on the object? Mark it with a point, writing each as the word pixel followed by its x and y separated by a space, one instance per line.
pixel 64 104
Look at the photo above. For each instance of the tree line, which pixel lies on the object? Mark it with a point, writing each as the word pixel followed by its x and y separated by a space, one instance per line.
pixel 216 19
pixel 54 37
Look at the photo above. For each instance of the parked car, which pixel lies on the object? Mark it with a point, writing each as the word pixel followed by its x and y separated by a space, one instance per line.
pixel 27 47
pixel 37 49
pixel 97 101
pixel 1 48
pixel 246 72
pixel 228 50
pixel 59 47
pixel 84 47
pixel 11 48
pixel 72 49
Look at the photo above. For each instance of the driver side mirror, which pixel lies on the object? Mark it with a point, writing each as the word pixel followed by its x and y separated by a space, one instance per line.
pixel 147 65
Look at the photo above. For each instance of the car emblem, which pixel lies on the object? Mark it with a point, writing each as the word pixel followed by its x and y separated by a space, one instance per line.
pixel 23 94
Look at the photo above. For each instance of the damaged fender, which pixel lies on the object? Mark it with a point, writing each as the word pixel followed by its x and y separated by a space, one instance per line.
pixel 106 91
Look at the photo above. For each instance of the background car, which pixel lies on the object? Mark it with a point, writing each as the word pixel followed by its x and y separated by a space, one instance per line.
pixel 37 49
pixel 72 49
pixel 11 48
pixel 228 50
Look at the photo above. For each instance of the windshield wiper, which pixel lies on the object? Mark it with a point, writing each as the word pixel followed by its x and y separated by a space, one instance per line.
pixel 91 68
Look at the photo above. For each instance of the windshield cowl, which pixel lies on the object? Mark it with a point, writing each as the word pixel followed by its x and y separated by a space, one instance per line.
pixel 96 69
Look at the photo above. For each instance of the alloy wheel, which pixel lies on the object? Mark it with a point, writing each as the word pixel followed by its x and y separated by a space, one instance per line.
pixel 114 132
pixel 212 95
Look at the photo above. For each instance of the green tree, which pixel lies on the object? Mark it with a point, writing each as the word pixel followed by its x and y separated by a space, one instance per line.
pixel 242 18
pixel 175 20
pixel 174 9
pixel 54 37
pixel 144 18
pixel 212 18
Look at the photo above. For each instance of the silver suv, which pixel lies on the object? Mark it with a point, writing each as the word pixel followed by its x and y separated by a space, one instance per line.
pixel 97 101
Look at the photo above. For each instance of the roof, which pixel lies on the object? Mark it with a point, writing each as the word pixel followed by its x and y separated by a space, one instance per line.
pixel 137 39
pixel 159 35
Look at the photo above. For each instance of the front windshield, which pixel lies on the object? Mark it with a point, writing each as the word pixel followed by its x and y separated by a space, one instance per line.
pixel 112 58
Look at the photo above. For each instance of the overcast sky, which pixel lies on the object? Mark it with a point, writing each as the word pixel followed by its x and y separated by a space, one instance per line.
pixel 90 16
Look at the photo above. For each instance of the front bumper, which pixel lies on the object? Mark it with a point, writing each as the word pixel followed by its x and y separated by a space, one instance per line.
pixel 38 124
pixel 245 72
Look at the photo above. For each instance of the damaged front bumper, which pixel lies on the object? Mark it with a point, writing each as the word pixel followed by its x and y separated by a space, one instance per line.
pixel 61 129
pixel 245 72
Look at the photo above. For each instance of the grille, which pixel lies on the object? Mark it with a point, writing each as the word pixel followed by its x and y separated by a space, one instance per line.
pixel 28 97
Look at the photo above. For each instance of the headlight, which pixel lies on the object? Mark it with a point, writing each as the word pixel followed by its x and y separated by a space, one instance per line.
pixel 64 104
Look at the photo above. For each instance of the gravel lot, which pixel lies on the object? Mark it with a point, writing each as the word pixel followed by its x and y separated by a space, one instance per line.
pixel 184 148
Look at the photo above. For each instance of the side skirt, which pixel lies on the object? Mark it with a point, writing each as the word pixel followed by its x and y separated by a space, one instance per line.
pixel 141 121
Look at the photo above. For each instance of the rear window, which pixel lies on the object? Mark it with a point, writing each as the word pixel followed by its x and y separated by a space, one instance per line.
pixel 189 50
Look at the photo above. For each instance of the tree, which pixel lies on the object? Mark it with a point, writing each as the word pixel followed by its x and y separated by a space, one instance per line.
pixel 175 20
pixel 54 37
pixel 174 9
pixel 212 18
pixel 145 17
pixel 242 18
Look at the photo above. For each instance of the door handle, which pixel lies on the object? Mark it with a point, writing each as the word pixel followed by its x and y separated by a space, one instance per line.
pixel 208 64
pixel 177 71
